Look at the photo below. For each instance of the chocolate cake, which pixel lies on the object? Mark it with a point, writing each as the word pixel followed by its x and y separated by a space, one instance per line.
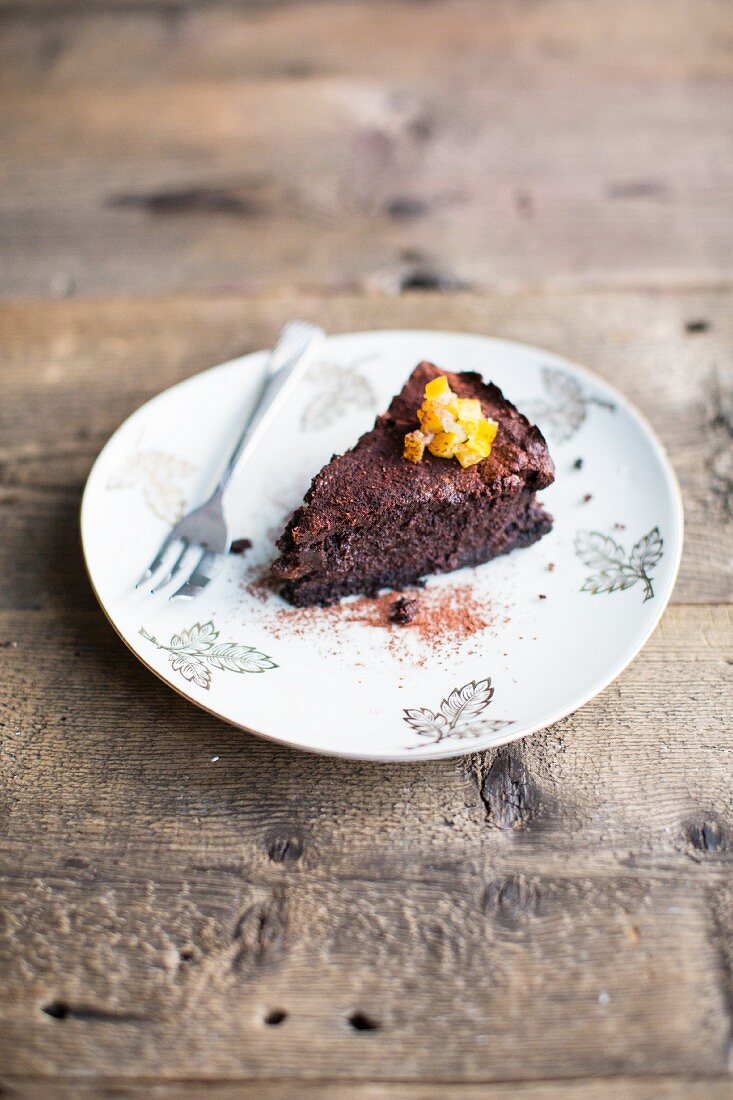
pixel 371 519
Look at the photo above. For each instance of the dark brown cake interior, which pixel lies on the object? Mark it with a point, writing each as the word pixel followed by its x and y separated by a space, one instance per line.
pixel 372 520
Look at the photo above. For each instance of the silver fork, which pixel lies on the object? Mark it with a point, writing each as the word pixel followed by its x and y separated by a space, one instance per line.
pixel 205 527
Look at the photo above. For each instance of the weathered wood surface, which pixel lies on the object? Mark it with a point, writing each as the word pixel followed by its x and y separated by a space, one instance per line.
pixel 626 1088
pixel 484 928
pixel 366 144
pixel 554 919
pixel 96 361
pixel 549 912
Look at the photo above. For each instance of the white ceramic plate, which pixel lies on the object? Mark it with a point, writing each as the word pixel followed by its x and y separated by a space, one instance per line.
pixel 503 650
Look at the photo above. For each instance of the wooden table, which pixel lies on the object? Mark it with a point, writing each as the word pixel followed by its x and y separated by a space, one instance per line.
pixel 554 919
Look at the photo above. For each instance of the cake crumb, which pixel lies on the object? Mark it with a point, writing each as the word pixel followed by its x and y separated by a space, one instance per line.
pixel 403 611
pixel 619 526
pixel 239 546
pixel 578 464
pixel 551 567
pixel 542 596
pixel 587 497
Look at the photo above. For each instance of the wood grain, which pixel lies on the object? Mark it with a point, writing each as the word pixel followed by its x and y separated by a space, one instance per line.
pixel 411 909
pixel 186 911
pixel 414 925
pixel 367 144
pixel 626 1088
pixel 98 360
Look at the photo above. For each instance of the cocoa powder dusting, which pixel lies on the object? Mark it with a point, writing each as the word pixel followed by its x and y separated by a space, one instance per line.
pixel 451 612
pixel 441 615
pixel 258 590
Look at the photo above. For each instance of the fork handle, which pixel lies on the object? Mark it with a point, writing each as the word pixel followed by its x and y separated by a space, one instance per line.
pixel 296 348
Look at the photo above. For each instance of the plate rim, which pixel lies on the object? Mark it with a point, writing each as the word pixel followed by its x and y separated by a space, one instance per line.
pixel 600 686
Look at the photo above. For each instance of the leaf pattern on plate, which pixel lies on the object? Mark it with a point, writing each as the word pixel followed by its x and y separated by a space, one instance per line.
pixel 194 652
pixel 337 389
pixel 459 716
pixel 614 571
pixel 160 475
pixel 564 407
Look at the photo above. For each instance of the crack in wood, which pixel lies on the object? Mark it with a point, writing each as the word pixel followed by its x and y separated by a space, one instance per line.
pixel 405 208
pixel 636 189
pixel 722 939
pixel 427 279
pixel 718 427
pixel 191 200
pixel 260 932
pixel 61 1010
pixel 509 794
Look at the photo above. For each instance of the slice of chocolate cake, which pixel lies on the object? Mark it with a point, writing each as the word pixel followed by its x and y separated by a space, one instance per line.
pixel 372 519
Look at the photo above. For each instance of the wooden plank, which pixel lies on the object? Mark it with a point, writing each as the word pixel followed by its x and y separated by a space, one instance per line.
pixel 151 914
pixel 365 144
pixel 268 924
pixel 154 922
pixel 590 756
pixel 589 1088
pixel 98 360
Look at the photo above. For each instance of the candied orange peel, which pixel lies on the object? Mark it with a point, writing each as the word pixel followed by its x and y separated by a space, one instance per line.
pixel 450 427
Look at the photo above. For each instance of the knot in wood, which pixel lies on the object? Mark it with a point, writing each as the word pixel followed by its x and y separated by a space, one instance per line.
pixel 511 899
pixel 510 795
pixel 706 836
pixel 260 932
pixel 285 847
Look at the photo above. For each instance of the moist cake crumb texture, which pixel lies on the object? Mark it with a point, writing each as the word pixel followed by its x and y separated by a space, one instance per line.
pixel 373 520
